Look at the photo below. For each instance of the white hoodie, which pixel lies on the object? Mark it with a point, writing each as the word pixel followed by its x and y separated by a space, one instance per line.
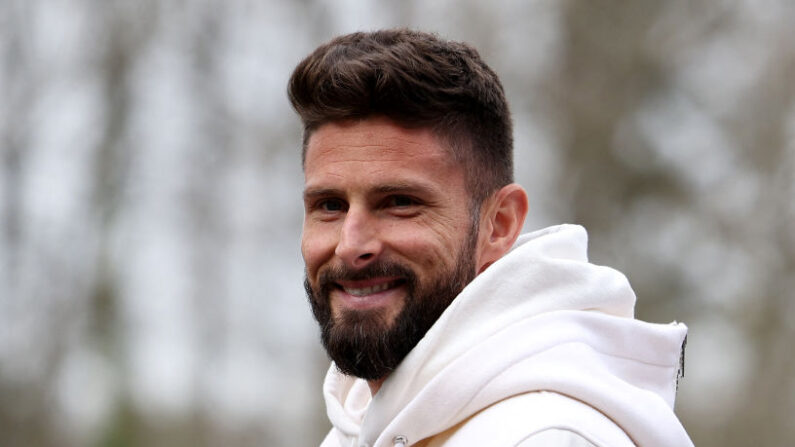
pixel 539 323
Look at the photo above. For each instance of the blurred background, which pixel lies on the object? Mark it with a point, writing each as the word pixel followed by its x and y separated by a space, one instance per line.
pixel 150 201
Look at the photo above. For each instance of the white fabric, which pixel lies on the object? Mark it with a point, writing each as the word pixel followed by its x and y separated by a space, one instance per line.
pixel 540 319
pixel 557 438
pixel 546 419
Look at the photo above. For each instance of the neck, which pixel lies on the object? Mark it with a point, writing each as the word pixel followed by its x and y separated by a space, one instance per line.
pixel 375 385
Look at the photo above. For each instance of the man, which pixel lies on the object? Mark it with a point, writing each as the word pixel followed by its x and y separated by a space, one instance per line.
pixel 445 326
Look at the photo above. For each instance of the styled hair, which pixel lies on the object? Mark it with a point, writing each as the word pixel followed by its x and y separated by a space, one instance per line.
pixel 415 79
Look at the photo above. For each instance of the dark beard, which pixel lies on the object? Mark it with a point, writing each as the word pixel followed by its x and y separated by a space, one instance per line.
pixel 362 343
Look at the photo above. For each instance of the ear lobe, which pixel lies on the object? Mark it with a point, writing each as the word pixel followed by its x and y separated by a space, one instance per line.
pixel 502 223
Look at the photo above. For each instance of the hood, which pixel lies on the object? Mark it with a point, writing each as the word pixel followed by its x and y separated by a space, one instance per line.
pixel 540 318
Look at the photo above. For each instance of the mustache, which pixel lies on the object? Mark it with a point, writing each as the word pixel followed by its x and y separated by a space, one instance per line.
pixel 335 274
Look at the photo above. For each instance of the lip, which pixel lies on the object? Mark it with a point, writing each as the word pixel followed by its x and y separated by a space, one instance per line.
pixel 368 293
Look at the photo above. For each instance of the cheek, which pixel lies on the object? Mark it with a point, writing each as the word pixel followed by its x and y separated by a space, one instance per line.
pixel 430 250
pixel 316 248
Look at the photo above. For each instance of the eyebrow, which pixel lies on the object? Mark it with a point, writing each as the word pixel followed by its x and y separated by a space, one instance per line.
pixel 312 193
pixel 408 188
pixel 391 188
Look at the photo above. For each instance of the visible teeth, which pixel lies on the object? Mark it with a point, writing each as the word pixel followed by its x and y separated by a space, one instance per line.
pixel 369 290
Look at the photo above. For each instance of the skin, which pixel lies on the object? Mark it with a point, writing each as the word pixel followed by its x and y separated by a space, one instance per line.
pixel 375 190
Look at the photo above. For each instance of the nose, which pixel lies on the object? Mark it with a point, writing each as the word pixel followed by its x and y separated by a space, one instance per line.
pixel 358 244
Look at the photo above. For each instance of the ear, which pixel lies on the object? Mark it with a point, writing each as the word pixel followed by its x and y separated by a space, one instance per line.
pixel 501 221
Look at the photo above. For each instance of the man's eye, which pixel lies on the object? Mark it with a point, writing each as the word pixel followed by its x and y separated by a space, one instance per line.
pixel 332 205
pixel 401 201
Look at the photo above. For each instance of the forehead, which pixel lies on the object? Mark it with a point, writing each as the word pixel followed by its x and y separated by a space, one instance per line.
pixel 375 144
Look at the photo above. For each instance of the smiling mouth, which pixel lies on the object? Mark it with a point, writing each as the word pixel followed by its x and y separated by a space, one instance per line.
pixel 370 290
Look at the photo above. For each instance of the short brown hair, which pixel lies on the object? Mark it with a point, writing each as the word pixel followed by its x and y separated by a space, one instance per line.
pixel 416 79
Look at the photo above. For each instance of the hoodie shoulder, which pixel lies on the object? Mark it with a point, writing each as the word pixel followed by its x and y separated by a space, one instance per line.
pixel 535 419
pixel 557 437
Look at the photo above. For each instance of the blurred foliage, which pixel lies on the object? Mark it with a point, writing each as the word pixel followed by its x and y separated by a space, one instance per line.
pixel 150 280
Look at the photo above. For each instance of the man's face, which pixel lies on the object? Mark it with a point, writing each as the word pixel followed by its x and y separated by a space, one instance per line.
pixel 389 239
